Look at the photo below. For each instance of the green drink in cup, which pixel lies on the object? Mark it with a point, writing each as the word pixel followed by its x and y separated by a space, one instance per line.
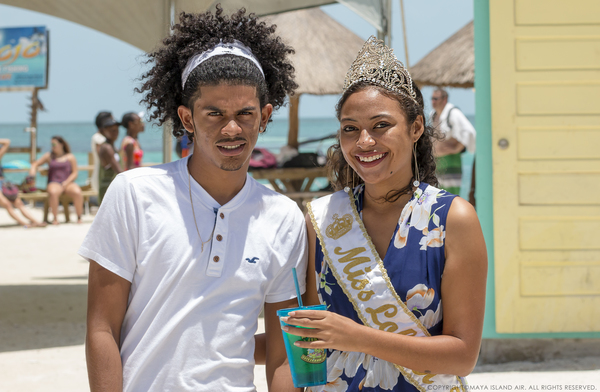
pixel 308 366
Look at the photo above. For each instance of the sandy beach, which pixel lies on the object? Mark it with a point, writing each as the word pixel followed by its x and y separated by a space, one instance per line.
pixel 43 288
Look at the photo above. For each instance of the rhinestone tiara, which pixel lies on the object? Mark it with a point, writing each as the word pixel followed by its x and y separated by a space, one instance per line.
pixel 377 64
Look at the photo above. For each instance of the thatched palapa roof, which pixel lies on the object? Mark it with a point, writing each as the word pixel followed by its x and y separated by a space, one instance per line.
pixel 451 64
pixel 324 49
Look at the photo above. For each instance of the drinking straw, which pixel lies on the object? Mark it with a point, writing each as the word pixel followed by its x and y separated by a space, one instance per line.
pixel 297 287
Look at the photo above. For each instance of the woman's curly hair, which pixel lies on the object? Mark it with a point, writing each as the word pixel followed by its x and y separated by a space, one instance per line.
pixel 342 175
pixel 196 33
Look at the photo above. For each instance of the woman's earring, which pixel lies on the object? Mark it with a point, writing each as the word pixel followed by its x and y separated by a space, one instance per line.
pixel 261 129
pixel 347 188
pixel 417 176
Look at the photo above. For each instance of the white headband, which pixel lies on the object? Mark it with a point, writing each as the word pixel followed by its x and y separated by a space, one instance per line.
pixel 236 48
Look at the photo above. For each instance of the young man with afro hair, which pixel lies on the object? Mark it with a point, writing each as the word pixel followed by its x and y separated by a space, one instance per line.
pixel 185 255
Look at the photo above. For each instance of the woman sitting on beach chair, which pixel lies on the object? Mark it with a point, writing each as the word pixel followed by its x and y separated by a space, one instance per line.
pixel 62 172
pixel 10 202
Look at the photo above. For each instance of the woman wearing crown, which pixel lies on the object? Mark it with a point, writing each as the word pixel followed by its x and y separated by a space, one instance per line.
pixel 389 246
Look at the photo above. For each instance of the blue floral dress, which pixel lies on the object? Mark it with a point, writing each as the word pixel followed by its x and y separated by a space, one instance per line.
pixel 414 262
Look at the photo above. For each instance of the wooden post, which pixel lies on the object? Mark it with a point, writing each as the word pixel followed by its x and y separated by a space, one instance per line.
pixel 167 142
pixel 293 121
pixel 404 33
pixel 167 151
pixel 385 34
pixel 33 125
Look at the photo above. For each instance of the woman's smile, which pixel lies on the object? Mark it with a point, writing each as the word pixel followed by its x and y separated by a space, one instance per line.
pixel 369 160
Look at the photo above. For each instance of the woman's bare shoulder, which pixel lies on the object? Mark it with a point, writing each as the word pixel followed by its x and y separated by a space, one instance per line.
pixel 461 213
pixel 465 243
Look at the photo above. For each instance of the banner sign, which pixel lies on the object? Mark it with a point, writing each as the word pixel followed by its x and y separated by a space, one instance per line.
pixel 23 57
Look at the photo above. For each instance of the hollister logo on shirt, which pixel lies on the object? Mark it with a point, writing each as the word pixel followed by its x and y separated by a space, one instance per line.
pixel 252 260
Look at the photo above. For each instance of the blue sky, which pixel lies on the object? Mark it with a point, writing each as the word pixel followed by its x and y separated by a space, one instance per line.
pixel 91 71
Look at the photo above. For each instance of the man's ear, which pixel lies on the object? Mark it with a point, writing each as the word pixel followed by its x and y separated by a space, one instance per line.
pixel 265 115
pixel 185 115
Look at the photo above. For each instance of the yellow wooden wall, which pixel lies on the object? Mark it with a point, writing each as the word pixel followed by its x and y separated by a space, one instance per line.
pixel 545 95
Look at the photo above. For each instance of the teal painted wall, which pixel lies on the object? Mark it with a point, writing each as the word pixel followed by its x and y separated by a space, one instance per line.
pixel 484 192
pixel 483 170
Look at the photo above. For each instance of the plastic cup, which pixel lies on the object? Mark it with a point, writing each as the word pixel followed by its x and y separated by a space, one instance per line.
pixel 308 366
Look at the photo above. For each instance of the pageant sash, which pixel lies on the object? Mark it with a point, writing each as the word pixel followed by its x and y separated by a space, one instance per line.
pixel 359 271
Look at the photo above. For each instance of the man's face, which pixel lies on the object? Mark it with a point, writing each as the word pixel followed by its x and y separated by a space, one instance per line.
pixel 226 120
pixel 437 101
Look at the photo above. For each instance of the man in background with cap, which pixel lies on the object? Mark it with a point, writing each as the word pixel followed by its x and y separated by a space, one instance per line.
pixel 459 136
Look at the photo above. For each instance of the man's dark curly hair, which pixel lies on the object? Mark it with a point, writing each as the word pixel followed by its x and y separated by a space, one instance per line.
pixel 342 175
pixel 196 33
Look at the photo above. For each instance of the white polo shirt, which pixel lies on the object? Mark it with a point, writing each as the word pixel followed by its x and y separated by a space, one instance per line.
pixel 192 315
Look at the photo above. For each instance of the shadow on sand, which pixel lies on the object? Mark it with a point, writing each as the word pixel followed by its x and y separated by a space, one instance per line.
pixel 42 316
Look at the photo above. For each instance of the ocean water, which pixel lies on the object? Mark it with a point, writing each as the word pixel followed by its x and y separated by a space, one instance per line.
pixel 78 136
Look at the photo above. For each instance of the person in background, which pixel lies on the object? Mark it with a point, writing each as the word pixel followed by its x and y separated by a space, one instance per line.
pixel 62 173
pixel 9 204
pixel 389 246
pixel 109 159
pixel 103 119
pixel 183 147
pixel 131 151
pixel 458 137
